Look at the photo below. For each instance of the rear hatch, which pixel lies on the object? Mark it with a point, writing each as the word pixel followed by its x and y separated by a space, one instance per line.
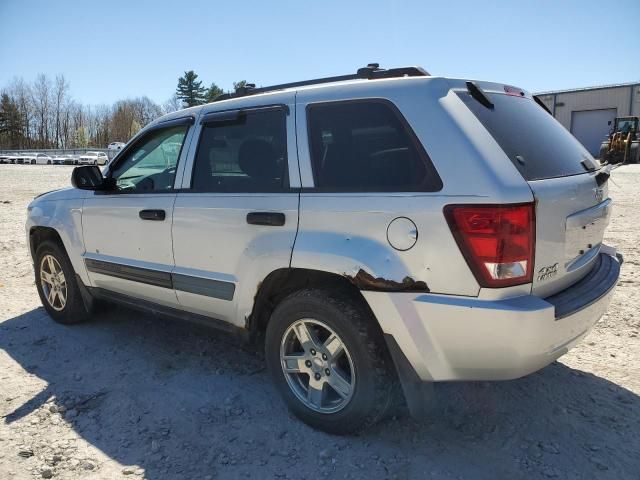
pixel 572 210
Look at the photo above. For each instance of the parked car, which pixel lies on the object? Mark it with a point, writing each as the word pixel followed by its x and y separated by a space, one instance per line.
pixel 116 146
pixel 4 159
pixel 93 158
pixel 42 159
pixel 63 160
pixel 32 158
pixel 375 229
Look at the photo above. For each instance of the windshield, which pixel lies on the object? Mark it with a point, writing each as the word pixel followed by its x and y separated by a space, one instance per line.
pixel 626 126
pixel 537 145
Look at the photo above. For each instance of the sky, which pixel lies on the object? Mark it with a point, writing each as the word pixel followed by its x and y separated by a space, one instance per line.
pixel 114 49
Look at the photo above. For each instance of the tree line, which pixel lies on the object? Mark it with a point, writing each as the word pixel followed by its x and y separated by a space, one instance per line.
pixel 44 114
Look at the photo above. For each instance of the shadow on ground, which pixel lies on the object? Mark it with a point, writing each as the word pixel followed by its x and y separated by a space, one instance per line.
pixel 181 401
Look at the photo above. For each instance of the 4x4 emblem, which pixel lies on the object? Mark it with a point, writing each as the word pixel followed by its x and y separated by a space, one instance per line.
pixel 545 273
pixel 599 194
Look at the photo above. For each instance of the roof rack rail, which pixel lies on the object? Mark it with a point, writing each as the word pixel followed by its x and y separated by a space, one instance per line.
pixel 371 72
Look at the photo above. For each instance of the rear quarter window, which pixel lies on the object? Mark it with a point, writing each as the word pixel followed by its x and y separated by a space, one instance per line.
pixel 366 146
pixel 537 145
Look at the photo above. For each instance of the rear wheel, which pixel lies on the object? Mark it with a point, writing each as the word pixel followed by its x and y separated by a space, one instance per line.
pixel 327 358
pixel 57 286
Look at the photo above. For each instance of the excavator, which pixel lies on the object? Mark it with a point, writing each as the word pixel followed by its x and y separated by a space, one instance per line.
pixel 623 143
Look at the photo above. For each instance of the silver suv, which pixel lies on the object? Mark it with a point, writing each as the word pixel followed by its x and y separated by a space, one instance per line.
pixel 375 230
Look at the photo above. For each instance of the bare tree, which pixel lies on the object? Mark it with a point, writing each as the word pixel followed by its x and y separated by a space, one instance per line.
pixel 172 105
pixel 42 103
pixel 61 88
pixel 20 91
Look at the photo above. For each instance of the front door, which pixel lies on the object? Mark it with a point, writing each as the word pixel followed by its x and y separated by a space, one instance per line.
pixel 127 230
pixel 235 219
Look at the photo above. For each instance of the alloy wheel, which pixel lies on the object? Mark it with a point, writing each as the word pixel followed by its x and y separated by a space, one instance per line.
pixel 317 366
pixel 54 285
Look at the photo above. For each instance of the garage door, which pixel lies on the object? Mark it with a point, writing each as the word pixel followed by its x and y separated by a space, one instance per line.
pixel 591 127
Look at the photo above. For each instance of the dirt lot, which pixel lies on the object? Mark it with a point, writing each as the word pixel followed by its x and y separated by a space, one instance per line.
pixel 132 396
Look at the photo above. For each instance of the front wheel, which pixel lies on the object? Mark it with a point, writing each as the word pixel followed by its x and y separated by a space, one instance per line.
pixel 57 286
pixel 327 358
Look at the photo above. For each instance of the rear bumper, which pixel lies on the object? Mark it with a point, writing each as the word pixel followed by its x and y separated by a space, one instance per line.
pixel 464 338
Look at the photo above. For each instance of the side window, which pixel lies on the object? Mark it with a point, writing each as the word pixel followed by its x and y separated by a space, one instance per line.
pixel 244 154
pixel 366 146
pixel 151 165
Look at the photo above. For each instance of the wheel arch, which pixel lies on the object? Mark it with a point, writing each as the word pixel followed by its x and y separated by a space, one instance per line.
pixel 282 282
pixel 39 234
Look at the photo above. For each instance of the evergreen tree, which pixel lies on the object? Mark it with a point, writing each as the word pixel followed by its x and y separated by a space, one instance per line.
pixel 240 84
pixel 213 92
pixel 190 90
pixel 10 122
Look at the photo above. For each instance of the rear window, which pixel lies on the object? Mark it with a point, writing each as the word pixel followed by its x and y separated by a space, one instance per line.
pixel 366 146
pixel 537 145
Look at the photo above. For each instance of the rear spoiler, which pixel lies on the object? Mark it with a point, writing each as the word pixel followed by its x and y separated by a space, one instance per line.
pixel 541 103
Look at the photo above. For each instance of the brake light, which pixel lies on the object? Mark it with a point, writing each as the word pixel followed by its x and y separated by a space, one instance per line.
pixel 497 241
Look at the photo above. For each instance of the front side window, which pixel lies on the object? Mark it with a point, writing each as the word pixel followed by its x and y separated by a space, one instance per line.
pixel 243 154
pixel 366 146
pixel 151 165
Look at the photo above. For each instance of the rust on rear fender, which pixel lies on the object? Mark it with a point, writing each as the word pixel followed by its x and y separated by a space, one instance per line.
pixel 366 281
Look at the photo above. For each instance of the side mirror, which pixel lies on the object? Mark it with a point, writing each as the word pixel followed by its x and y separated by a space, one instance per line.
pixel 88 178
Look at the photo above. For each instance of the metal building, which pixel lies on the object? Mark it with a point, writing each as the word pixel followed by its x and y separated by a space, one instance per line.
pixel 585 112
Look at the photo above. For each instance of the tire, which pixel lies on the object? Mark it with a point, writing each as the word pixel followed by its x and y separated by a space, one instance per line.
pixel 634 152
pixel 33 162
pixel 95 162
pixel 604 148
pixel 73 309
pixel 48 162
pixel 370 376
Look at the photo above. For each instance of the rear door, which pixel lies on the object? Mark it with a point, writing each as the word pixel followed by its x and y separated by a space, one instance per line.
pixel 127 231
pixel 572 211
pixel 236 218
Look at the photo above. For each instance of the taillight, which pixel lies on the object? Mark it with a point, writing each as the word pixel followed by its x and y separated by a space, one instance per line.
pixel 497 241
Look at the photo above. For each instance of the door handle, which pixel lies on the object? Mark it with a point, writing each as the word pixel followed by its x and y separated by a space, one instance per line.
pixel 272 219
pixel 157 215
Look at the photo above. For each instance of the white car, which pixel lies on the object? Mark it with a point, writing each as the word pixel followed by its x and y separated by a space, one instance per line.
pixel 28 158
pixel 43 159
pixel 374 229
pixel 93 158
pixel 25 159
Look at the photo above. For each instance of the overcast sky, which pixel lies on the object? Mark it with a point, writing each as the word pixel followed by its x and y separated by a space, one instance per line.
pixel 115 49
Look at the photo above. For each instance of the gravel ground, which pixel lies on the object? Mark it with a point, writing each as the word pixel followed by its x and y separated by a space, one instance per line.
pixel 131 396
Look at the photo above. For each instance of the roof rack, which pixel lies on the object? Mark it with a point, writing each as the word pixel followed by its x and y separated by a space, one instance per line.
pixel 371 72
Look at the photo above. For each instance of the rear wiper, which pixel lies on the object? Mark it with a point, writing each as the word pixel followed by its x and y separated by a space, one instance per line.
pixel 588 164
pixel 477 93
pixel 603 175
